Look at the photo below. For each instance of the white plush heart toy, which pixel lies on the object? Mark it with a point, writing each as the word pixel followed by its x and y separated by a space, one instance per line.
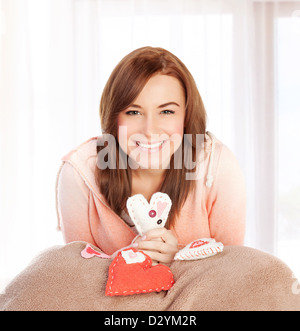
pixel 148 216
pixel 200 249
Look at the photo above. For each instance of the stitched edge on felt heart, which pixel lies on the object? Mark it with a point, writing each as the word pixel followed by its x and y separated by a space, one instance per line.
pixel 198 254
pixel 110 292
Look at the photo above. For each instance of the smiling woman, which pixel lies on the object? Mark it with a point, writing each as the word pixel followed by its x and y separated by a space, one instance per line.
pixel 151 117
pixel 149 78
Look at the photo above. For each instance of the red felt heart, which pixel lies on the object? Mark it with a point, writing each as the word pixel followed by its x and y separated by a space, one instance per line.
pixel 134 278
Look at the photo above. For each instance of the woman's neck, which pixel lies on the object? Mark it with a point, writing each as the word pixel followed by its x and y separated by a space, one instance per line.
pixel 149 174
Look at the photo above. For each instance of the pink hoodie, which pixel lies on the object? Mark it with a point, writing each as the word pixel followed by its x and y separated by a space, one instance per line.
pixel 216 210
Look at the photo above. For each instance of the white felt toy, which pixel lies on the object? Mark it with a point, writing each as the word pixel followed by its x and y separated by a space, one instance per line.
pixel 199 249
pixel 148 216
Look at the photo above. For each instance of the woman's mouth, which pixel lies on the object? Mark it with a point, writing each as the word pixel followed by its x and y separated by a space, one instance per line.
pixel 150 147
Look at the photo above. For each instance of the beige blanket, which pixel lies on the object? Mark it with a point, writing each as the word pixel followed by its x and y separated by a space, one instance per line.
pixel 240 278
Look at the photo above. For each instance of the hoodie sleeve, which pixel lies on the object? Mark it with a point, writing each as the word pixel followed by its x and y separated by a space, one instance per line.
pixel 228 206
pixel 73 205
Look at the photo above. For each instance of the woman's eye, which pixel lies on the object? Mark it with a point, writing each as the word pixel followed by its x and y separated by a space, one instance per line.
pixel 168 112
pixel 136 112
pixel 132 112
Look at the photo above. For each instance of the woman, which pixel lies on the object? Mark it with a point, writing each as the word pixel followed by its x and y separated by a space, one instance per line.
pixel 153 112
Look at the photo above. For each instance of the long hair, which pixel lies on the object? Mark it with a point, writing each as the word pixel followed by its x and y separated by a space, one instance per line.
pixel 123 86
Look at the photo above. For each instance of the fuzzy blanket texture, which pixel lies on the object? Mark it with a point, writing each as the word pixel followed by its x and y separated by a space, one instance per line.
pixel 239 278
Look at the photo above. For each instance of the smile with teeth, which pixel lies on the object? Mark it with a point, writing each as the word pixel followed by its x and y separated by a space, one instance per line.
pixel 149 147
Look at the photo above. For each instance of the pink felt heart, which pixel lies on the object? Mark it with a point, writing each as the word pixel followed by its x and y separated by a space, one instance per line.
pixel 198 243
pixel 90 252
pixel 133 255
pixel 161 207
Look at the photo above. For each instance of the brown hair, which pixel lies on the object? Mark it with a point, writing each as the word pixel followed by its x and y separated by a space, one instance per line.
pixel 122 88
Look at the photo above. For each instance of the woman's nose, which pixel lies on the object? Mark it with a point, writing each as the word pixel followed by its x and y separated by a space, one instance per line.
pixel 150 126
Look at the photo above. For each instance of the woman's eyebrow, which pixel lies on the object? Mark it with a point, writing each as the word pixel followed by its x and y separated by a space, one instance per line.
pixel 169 104
pixel 161 106
pixel 135 106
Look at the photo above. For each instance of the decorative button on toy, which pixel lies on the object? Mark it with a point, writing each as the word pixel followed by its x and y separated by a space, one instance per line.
pixel 152 213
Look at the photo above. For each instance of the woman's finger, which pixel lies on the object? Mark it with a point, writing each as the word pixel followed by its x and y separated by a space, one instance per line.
pixel 157 257
pixel 159 246
pixel 166 235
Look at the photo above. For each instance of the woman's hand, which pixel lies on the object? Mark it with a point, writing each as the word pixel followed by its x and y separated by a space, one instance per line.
pixel 159 244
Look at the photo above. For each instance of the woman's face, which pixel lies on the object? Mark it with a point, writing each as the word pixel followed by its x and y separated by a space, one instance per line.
pixel 151 128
